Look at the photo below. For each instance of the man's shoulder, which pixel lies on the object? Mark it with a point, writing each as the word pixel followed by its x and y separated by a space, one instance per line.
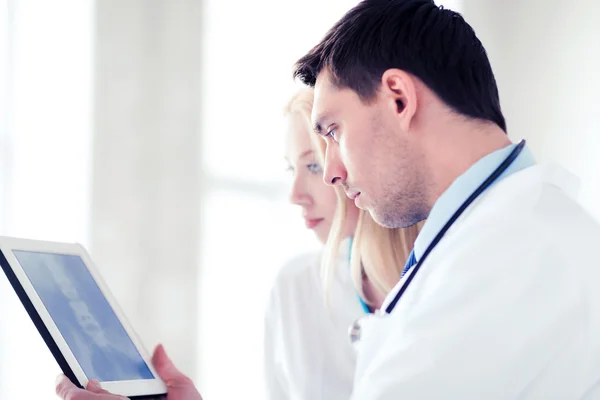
pixel 539 198
pixel 524 217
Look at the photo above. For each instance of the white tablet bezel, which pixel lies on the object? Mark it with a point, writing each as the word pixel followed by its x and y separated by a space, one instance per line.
pixel 142 387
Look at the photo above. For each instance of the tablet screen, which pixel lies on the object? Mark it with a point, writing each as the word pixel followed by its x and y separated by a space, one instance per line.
pixel 83 316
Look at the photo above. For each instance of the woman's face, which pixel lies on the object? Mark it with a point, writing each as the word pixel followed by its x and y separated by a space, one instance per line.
pixel 318 201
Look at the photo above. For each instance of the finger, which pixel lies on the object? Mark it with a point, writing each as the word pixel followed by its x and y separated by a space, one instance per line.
pixel 163 364
pixel 65 388
pixel 95 387
pixel 166 369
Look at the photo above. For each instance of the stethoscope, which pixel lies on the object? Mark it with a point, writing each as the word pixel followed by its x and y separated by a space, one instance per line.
pixel 355 329
pixel 486 184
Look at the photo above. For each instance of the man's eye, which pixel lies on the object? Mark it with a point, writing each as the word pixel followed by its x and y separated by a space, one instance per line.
pixel 332 134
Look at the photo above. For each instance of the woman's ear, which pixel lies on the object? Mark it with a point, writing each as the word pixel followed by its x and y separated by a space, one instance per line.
pixel 400 87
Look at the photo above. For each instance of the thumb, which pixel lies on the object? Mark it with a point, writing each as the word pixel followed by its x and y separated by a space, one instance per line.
pixel 95 387
pixel 167 370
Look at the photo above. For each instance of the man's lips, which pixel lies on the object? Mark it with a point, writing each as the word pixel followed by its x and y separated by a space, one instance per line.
pixel 352 195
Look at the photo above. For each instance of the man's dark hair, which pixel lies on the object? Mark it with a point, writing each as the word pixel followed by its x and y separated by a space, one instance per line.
pixel 436 45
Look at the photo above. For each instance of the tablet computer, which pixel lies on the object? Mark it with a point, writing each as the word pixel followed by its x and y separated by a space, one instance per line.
pixel 77 317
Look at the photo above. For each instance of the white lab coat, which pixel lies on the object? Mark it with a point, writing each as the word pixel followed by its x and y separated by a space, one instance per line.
pixel 507 306
pixel 307 354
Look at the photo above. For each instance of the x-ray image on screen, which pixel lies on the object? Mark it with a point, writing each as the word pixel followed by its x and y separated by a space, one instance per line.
pixel 83 316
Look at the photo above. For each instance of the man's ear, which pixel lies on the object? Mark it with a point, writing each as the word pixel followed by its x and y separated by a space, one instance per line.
pixel 399 86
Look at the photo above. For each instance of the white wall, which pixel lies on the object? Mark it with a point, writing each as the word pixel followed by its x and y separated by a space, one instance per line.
pixel 4 113
pixel 4 74
pixel 46 160
pixel 546 57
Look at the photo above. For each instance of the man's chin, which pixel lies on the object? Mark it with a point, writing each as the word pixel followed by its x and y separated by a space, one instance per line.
pixel 382 220
pixel 396 219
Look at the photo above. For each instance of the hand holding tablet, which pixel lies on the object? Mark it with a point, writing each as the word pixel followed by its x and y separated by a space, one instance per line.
pixel 82 324
pixel 179 386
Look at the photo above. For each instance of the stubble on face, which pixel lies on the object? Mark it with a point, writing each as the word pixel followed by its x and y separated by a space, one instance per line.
pixel 399 184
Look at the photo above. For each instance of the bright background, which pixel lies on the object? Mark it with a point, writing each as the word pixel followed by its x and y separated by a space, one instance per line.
pixel 150 132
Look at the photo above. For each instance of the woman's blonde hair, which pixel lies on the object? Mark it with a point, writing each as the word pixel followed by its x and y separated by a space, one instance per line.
pixel 378 252
pixel 301 103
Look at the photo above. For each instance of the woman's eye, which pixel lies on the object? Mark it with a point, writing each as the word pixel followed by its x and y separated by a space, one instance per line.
pixel 314 168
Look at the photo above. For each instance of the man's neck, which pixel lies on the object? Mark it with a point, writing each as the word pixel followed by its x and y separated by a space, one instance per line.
pixel 456 149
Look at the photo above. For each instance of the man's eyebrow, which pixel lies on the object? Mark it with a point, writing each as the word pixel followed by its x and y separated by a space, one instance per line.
pixel 320 120
pixel 318 128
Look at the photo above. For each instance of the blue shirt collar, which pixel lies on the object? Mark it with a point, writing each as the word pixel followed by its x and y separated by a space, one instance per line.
pixel 366 309
pixel 461 189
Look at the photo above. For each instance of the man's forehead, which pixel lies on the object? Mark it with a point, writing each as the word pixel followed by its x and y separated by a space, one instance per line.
pixel 324 85
pixel 324 97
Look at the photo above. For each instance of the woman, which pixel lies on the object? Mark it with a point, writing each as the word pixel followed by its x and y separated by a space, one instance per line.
pixel 307 352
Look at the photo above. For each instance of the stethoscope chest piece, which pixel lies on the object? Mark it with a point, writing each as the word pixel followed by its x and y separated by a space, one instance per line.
pixel 354 332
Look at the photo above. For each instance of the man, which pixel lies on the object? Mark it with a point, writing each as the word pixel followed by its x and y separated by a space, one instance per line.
pixel 502 304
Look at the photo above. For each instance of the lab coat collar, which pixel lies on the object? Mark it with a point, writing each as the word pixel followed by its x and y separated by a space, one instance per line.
pixel 461 189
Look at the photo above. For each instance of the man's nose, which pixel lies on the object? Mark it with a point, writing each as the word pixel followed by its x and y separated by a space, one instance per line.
pixel 334 172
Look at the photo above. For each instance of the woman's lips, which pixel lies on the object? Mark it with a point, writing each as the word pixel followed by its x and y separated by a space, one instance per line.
pixel 311 223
